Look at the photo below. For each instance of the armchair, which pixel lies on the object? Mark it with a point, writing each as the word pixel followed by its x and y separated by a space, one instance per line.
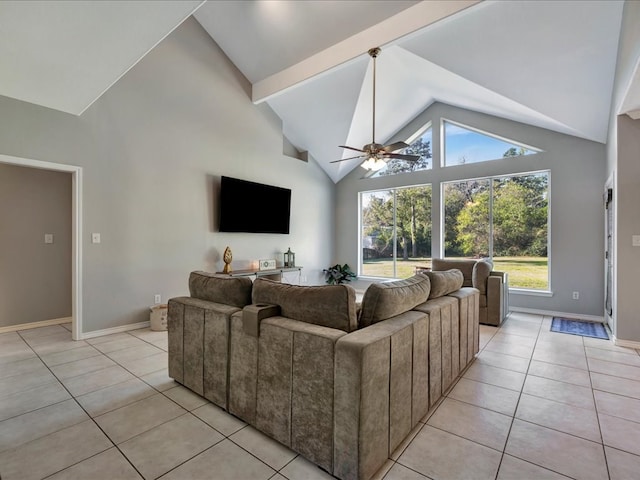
pixel 493 286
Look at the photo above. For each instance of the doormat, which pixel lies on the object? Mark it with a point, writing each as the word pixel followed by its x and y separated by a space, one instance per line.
pixel 579 327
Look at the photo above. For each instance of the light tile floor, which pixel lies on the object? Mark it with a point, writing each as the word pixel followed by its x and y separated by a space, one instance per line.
pixel 533 405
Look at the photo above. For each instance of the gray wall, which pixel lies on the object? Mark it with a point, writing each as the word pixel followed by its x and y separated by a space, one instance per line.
pixel 35 278
pixel 623 165
pixel 628 202
pixel 577 177
pixel 152 148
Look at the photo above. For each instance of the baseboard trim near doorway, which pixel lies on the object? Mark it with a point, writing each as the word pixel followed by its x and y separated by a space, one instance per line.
pixel 28 326
pixel 551 313
pixel 111 331
pixel 625 343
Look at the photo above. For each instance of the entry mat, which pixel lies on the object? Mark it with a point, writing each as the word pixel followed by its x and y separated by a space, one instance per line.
pixel 579 327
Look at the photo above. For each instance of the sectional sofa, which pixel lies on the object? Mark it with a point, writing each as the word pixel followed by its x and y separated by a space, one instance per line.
pixel 341 383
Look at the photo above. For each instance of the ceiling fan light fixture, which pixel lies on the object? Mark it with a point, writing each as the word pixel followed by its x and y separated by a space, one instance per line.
pixel 374 164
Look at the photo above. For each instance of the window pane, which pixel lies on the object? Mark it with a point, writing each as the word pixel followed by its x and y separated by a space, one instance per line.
pixel 466 219
pixel 520 232
pixel 422 147
pixel 411 231
pixel 464 146
pixel 377 234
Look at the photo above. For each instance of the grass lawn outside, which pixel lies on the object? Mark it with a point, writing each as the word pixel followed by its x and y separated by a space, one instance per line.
pixel 524 272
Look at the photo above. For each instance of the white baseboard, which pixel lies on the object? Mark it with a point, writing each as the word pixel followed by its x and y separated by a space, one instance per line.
pixel 111 331
pixel 43 323
pixel 625 343
pixel 549 313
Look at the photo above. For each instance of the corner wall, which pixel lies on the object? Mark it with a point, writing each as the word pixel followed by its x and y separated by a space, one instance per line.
pixel 623 165
pixel 152 149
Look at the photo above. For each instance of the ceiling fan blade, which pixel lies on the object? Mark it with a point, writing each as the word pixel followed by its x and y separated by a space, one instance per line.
pixel 350 158
pixel 351 148
pixel 401 156
pixel 395 146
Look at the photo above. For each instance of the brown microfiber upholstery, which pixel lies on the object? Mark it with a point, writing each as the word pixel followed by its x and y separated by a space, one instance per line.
pixel 464 265
pixel 332 306
pixel 235 291
pixel 468 304
pixel 198 348
pixel 380 394
pixel 385 300
pixel 444 344
pixel 443 283
pixel 481 272
pixel 295 386
pixel 243 371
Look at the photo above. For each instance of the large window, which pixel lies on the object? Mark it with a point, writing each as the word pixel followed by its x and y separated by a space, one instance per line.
pixel 504 218
pixel 395 231
pixel 463 145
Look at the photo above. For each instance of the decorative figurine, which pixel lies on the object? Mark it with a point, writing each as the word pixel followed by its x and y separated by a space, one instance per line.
pixel 227 257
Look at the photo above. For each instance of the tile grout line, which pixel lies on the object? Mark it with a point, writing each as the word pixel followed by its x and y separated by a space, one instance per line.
pixel 515 410
pixel 90 418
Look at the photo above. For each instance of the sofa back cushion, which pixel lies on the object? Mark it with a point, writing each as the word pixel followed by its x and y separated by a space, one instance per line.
pixel 331 306
pixel 481 272
pixel 443 283
pixel 385 300
pixel 234 291
pixel 464 265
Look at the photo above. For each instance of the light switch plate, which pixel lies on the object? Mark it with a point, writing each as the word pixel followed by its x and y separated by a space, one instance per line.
pixel 635 240
pixel 48 238
pixel 95 238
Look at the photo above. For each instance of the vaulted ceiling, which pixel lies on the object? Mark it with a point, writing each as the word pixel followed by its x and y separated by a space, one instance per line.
pixel 548 64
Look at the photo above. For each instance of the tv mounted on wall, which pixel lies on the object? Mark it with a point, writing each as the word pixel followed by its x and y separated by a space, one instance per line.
pixel 253 207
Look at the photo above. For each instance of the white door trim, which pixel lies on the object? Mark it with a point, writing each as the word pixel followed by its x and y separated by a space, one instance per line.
pixel 76 235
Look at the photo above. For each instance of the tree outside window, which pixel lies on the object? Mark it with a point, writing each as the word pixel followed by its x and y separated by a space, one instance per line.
pixel 505 219
pixel 396 231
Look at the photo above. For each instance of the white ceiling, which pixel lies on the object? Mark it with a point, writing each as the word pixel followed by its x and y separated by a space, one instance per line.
pixel 549 64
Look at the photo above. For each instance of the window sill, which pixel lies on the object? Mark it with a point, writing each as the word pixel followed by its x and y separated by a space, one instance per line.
pixel 533 293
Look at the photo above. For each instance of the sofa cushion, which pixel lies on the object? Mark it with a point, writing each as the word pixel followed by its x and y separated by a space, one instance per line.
pixel 234 291
pixel 331 306
pixel 385 300
pixel 443 283
pixel 481 271
pixel 465 265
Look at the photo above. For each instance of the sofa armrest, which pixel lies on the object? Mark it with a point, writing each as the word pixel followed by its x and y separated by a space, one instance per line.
pixel 253 314
pixel 381 391
pixel 497 297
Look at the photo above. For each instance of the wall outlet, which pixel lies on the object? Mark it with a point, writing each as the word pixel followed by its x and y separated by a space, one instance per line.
pixel 576 295
pixel 95 238
pixel 48 238
pixel 157 298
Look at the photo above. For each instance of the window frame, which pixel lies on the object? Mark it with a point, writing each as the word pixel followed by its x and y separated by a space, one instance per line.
pixel 394 191
pixel 443 143
pixel 517 290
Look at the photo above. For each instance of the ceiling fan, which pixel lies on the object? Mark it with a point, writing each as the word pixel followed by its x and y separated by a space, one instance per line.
pixel 376 155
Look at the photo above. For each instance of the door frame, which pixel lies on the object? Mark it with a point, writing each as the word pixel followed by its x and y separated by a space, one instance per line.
pixel 76 231
pixel 611 319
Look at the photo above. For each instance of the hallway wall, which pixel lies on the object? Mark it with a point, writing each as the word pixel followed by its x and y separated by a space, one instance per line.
pixel 35 277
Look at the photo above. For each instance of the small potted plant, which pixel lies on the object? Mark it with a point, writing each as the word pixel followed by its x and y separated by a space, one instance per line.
pixel 338 274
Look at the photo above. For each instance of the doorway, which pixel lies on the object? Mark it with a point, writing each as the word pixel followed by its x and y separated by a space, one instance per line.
pixel 76 235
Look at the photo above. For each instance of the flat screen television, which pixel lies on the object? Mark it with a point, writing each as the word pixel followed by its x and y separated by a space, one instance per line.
pixel 253 207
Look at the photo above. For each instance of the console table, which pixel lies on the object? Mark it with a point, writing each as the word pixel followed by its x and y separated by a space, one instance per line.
pixel 274 274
